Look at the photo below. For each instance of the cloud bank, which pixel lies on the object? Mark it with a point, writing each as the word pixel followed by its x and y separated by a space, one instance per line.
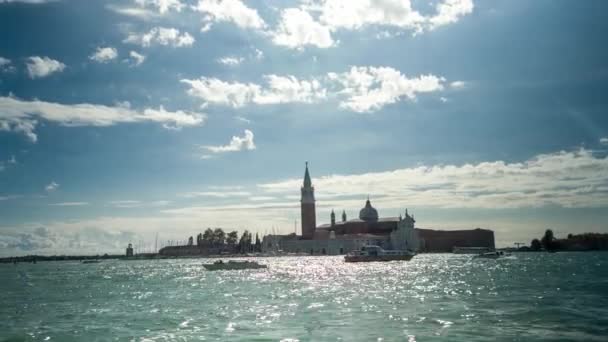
pixel 361 89
pixel 22 116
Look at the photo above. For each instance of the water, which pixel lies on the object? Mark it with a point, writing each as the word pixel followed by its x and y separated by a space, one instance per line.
pixel 527 297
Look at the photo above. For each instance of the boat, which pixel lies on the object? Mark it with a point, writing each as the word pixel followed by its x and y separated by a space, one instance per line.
pixel 90 261
pixel 492 255
pixel 471 250
pixel 376 253
pixel 233 265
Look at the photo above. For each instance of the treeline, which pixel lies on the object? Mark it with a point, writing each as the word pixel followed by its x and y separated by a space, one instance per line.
pixel 579 242
pixel 217 238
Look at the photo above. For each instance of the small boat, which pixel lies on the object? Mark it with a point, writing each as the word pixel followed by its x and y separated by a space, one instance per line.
pixel 492 255
pixel 376 253
pixel 90 261
pixel 233 265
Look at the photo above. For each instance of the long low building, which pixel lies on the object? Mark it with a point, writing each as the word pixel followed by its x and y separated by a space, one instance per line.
pixel 444 241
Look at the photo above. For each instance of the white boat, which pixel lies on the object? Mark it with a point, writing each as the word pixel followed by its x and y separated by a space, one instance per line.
pixel 233 265
pixel 377 253
pixel 492 255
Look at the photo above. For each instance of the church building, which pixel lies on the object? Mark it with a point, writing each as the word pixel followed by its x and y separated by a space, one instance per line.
pixel 346 235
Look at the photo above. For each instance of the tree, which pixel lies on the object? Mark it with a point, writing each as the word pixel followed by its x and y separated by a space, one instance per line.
pixel 245 242
pixel 258 244
pixel 208 236
pixel 547 240
pixel 535 245
pixel 219 237
pixel 199 239
pixel 190 241
pixel 232 238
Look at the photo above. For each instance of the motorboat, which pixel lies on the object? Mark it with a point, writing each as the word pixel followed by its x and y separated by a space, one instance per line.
pixel 492 255
pixel 233 265
pixel 376 253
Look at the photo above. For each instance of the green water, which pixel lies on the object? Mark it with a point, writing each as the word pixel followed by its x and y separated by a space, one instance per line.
pixel 527 297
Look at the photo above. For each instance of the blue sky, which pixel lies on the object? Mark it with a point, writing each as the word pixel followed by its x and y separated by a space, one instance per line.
pixel 123 119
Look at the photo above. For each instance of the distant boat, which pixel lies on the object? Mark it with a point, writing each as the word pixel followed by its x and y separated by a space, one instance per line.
pixel 233 265
pixel 492 255
pixel 471 250
pixel 376 253
pixel 90 261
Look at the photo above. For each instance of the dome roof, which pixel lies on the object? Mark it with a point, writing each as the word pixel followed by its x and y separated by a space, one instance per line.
pixel 368 213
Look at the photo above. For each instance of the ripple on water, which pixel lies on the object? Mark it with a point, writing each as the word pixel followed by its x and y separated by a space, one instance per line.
pixel 530 297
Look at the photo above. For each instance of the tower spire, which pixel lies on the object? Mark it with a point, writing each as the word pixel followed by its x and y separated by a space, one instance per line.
pixel 307 182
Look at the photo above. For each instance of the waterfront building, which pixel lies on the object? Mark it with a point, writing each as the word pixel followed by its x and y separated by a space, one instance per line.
pixel 368 229
pixel 129 251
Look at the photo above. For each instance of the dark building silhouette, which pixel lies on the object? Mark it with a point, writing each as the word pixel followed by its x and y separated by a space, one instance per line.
pixel 129 250
pixel 309 215
pixel 369 228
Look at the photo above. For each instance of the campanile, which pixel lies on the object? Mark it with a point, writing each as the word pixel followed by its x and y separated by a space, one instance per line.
pixel 309 216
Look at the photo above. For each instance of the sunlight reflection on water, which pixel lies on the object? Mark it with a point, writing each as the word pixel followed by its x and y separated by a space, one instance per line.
pixel 531 296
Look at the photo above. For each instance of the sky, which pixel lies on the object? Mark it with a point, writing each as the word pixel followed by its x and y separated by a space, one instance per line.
pixel 124 120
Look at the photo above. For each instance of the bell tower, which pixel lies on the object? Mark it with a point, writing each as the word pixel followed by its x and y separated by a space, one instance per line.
pixel 309 216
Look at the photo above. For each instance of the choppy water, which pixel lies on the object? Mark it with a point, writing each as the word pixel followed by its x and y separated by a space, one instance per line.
pixel 528 297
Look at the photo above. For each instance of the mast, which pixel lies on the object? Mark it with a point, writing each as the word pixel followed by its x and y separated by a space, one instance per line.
pixel 156 243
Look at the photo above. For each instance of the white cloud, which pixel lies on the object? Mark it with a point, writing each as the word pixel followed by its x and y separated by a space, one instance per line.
pixel 231 61
pixel 280 89
pixel 216 194
pixel 51 187
pixel 38 67
pixel 161 36
pixel 458 84
pixel 136 12
pixel 162 6
pixel 236 144
pixel 370 88
pixel 137 58
pixel 361 89
pixel 11 161
pixel 258 54
pixel 22 116
pixel 5 65
pixel 69 204
pixel 604 141
pixel 568 179
pixel 450 11
pixel 229 10
pixel 104 54
pixel 242 119
pixel 262 198
pixel 315 21
pixel 62 238
pixel 126 204
pixel 297 28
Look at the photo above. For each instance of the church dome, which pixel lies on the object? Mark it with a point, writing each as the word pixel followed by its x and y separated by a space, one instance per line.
pixel 368 213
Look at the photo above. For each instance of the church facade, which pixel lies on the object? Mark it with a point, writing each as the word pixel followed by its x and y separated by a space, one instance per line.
pixel 344 236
